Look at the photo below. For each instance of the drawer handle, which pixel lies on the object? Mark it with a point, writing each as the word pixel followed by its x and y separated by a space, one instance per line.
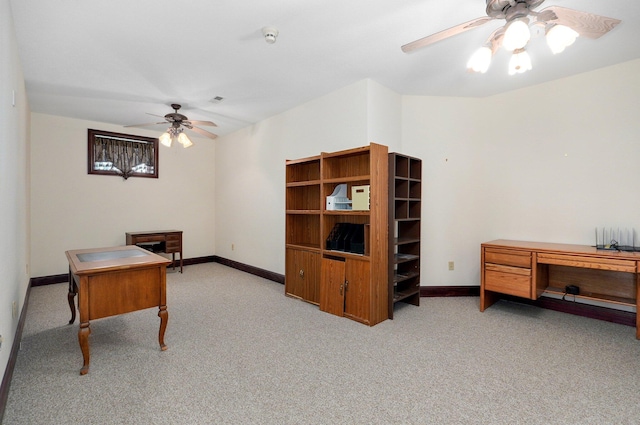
pixel 302 273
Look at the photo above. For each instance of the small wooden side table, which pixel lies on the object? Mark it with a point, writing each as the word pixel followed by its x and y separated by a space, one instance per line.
pixel 167 241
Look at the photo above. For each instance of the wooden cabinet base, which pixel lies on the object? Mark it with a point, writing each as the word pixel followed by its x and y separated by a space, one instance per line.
pixel 332 288
pixel 302 272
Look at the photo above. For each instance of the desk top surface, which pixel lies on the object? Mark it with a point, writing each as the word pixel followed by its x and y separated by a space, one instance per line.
pixel 563 249
pixel 94 260
pixel 153 232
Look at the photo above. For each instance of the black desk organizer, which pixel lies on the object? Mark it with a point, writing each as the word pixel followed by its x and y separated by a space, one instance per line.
pixel 347 237
pixel 610 239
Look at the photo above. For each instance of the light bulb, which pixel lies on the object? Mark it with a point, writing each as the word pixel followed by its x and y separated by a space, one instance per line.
pixel 517 35
pixel 480 60
pixel 166 139
pixel 520 62
pixel 559 37
pixel 182 138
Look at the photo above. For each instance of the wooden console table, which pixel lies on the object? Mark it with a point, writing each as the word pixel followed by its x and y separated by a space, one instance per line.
pixel 529 269
pixel 112 281
pixel 167 241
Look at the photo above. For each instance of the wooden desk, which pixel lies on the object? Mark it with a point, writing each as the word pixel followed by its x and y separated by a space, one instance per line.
pixel 167 241
pixel 117 280
pixel 529 269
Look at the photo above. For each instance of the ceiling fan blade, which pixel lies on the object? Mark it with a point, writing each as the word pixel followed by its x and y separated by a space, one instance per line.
pixel 154 115
pixel 202 123
pixel 543 16
pixel 203 132
pixel 586 24
pixel 147 125
pixel 434 38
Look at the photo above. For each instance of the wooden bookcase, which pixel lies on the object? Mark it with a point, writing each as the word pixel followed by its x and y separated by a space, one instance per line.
pixel 405 193
pixel 341 282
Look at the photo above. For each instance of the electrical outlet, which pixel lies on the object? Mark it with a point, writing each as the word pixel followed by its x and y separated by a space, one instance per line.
pixel 451 265
pixel 14 309
pixel 233 247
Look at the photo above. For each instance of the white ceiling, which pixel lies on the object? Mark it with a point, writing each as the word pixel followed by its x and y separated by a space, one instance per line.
pixel 114 61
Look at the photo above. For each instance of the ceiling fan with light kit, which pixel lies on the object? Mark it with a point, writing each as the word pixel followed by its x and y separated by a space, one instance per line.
pixel 178 122
pixel 561 27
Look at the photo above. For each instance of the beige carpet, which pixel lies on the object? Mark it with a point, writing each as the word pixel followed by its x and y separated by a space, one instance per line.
pixel 240 352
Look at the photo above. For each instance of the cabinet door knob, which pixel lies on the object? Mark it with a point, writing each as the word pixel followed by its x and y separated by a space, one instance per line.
pixel 346 285
pixel 341 287
pixel 301 273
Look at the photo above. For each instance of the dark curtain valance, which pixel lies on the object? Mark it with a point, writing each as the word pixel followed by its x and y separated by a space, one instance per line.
pixel 124 157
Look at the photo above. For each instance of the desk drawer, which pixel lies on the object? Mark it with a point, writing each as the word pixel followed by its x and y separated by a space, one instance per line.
pixel 508 257
pixel 586 262
pixel 172 246
pixel 148 238
pixel 174 242
pixel 508 280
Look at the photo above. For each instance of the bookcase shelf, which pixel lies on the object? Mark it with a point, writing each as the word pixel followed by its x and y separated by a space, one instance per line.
pixel 405 210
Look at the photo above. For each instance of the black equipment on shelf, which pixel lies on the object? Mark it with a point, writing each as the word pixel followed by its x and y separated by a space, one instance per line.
pixel 347 237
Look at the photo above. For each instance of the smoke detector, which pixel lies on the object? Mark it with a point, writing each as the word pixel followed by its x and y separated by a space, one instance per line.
pixel 270 34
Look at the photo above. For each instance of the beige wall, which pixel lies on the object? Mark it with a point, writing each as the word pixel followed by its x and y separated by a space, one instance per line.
pixel 14 184
pixel 250 165
pixel 547 163
pixel 72 209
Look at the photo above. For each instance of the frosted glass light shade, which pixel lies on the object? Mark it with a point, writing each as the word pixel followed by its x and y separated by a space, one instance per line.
pixel 480 60
pixel 559 37
pixel 520 62
pixel 516 36
pixel 166 139
pixel 186 142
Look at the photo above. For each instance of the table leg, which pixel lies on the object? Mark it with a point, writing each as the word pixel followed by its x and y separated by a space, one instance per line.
pixel 638 305
pixel 164 318
pixel 83 338
pixel 73 290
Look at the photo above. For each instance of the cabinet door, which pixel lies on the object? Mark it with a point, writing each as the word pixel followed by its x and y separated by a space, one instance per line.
pixel 302 274
pixel 310 276
pixel 332 286
pixel 357 302
pixel 292 282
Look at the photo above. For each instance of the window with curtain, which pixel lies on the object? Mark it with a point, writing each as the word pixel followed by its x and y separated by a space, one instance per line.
pixel 122 155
